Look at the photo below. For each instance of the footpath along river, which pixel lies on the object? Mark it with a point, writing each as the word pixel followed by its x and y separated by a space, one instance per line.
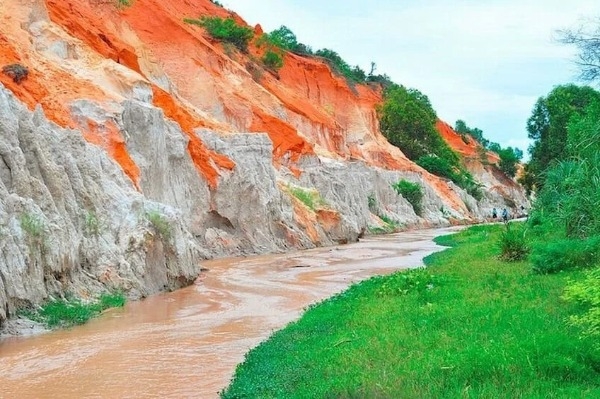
pixel 186 344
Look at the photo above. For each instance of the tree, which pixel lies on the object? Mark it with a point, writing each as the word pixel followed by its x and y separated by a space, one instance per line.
pixel 407 120
pixel 284 38
pixel 509 158
pixel 548 123
pixel 587 40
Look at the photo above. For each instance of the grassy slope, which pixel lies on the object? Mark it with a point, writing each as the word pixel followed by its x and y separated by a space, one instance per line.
pixel 468 326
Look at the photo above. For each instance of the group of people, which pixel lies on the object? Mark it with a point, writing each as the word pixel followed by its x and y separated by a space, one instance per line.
pixel 504 214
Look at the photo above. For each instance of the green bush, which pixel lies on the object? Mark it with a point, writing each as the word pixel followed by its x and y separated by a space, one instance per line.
pixel 513 243
pixel 444 168
pixel 565 254
pixel 439 167
pixel 586 293
pixel 226 30
pixel 272 60
pixel 412 192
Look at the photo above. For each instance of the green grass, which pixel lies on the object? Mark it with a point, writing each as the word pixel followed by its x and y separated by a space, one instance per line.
pixel 71 311
pixel 468 326
pixel 160 224
pixel 311 198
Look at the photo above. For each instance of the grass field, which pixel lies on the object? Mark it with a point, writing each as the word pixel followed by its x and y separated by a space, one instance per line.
pixel 467 326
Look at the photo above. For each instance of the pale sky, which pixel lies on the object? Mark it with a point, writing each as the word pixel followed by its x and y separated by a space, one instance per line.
pixel 486 61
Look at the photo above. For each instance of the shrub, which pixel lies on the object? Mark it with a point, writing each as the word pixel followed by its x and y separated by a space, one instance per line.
pixel 439 167
pixel 338 65
pixel 311 198
pixel 226 30
pixel 272 60
pixel 72 311
pixel 34 227
pixel 159 224
pixel 586 293
pixel 513 243
pixel 411 192
pixel 565 254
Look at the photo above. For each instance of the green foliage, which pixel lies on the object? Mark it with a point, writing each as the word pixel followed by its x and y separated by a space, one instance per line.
pixel 372 203
pixel 548 125
pixel 565 254
pixel 405 282
pixel 461 128
pixel 160 224
pixel 272 60
pixel 408 120
pixel 391 225
pixel 509 159
pixel 513 243
pixel 586 293
pixel 412 192
pixel 72 311
pixel 33 225
pixel 285 39
pixel 311 198
pixel 443 168
pixel 124 3
pixel 468 325
pixel 226 30
pixel 338 65
pixel 92 224
pixel 218 3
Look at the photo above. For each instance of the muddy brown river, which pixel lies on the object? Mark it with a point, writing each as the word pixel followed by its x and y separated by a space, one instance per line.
pixel 186 344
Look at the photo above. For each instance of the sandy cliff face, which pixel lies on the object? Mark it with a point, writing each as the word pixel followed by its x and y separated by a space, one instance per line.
pixel 130 114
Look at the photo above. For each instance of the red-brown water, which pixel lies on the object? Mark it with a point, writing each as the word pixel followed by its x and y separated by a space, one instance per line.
pixel 186 344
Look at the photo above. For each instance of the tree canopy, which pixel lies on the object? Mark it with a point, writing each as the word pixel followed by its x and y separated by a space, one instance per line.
pixel 548 123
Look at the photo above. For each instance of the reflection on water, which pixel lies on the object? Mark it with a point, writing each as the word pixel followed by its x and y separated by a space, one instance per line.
pixel 186 344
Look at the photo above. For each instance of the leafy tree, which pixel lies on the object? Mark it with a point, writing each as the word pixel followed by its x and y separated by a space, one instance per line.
pixel 509 158
pixel 407 120
pixel 285 39
pixel 461 127
pixel 548 123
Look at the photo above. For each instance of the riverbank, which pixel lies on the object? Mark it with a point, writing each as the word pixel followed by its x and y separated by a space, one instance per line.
pixel 187 343
pixel 467 326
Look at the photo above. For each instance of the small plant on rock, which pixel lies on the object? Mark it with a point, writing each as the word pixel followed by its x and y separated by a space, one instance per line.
pixel 159 224
pixel 16 71
pixel 33 226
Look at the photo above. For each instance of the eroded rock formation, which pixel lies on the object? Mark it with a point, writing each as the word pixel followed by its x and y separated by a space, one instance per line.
pixel 137 146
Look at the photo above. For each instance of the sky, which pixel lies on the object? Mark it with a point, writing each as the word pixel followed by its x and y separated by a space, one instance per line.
pixel 483 61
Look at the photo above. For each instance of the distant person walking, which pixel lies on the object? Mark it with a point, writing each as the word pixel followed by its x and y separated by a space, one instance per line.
pixel 505 215
pixel 494 213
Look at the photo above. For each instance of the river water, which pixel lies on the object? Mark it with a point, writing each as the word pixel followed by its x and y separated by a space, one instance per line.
pixel 186 344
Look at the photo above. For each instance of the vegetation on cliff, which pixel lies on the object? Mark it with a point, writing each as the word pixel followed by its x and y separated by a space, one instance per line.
pixel 70 311
pixel 407 120
pixel 468 325
pixel 509 156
